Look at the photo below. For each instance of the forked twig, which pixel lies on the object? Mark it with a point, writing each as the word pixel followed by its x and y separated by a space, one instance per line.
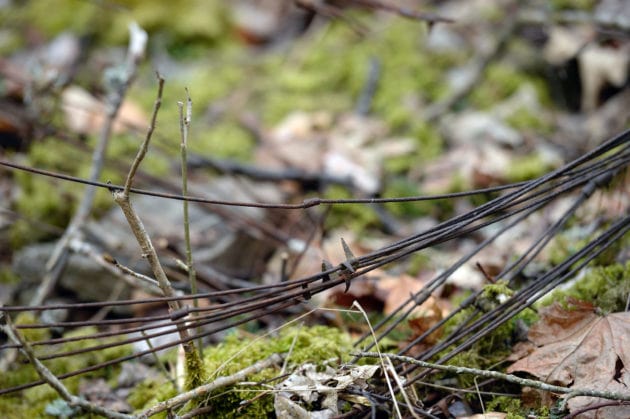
pixel 193 361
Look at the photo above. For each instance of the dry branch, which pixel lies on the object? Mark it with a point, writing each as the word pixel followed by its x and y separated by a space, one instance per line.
pixel 193 360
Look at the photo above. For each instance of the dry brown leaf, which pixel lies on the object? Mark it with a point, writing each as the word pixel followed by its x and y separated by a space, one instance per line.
pixel 381 291
pixel 580 349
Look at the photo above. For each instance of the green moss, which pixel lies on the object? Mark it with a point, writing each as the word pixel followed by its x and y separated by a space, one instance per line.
pixel 69 15
pixel 576 237
pixel 586 5
pixel 564 245
pixel 10 41
pixel 329 72
pixel 505 404
pixel 73 363
pixel 7 276
pixel 50 201
pixel 418 263
pixel 400 187
pixel 151 392
pixel 493 295
pixel 606 287
pixel 30 335
pixel 491 350
pixel 526 168
pixel 524 119
pixel 32 402
pixel 502 81
pixel 39 199
pixel 226 139
pixel 182 25
pixel 195 369
pixel 312 344
pixel 429 145
pixel 353 217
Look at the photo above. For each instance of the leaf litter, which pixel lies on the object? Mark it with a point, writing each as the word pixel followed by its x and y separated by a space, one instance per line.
pixel 579 348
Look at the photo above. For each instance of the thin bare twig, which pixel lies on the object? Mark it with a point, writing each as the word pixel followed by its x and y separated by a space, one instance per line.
pixel 184 126
pixel 107 262
pixel 193 361
pixel 570 392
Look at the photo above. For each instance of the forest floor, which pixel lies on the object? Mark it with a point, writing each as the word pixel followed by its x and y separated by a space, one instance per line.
pixel 323 179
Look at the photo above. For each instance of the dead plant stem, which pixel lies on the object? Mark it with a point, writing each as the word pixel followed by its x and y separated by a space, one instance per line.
pixel 193 361
pixel 184 125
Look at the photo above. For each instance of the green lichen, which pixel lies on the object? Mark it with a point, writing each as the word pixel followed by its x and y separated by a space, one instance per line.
pixel 606 287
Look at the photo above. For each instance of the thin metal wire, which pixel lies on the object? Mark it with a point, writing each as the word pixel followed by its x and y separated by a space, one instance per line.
pixel 590 172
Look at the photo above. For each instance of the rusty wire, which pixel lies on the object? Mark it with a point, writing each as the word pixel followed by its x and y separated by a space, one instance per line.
pixel 589 172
